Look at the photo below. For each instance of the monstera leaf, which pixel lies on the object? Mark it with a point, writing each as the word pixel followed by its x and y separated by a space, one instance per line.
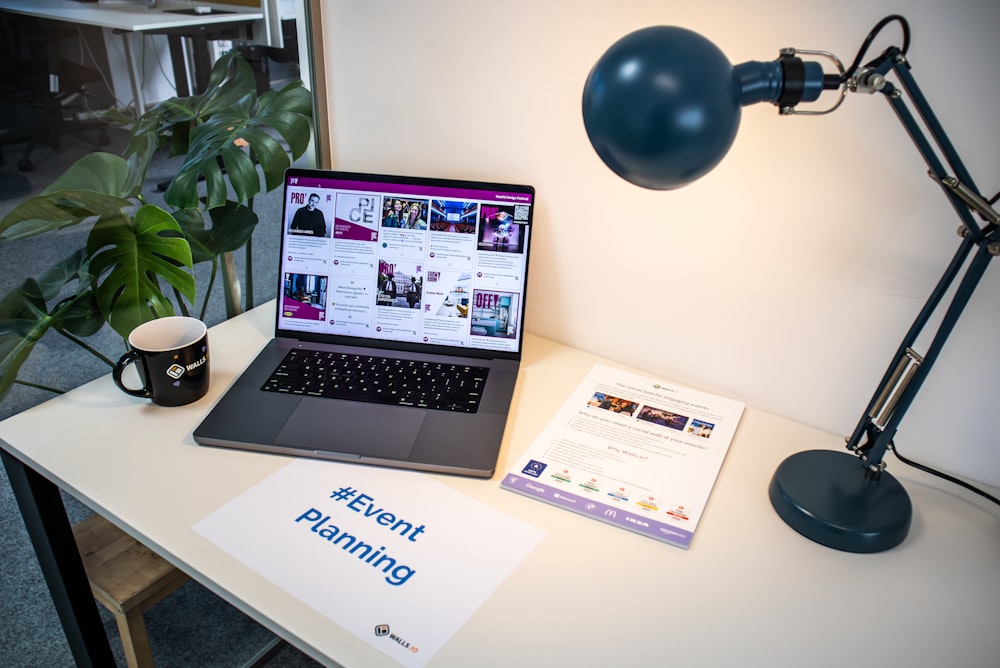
pixel 169 123
pixel 129 257
pixel 96 185
pixel 232 226
pixel 79 313
pixel 214 130
pixel 25 318
pixel 226 136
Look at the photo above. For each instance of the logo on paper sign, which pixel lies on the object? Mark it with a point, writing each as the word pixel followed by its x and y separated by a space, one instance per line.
pixel 175 371
pixel 533 468
pixel 383 631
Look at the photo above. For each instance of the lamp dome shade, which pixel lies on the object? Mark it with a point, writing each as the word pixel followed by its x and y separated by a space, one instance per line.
pixel 662 107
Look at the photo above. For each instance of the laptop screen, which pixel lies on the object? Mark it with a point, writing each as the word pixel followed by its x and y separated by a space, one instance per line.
pixel 428 262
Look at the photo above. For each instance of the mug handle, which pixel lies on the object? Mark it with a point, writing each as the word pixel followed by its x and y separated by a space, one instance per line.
pixel 131 357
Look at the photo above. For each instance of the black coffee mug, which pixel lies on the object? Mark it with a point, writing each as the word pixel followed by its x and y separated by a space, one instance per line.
pixel 171 357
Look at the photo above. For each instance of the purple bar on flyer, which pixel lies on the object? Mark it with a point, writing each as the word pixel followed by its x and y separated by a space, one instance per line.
pixel 616 515
pixel 437 192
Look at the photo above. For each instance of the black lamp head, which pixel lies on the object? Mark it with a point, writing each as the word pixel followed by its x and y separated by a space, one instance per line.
pixel 663 104
pixel 662 107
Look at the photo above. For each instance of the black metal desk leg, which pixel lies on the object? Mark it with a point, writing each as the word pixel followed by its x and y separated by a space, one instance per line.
pixel 176 45
pixel 52 537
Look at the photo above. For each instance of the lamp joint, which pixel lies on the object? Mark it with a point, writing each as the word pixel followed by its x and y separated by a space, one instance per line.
pixel 970 197
pixel 866 80
pixel 874 471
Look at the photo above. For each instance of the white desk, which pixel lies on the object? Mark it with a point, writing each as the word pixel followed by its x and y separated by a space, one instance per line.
pixel 749 591
pixel 130 19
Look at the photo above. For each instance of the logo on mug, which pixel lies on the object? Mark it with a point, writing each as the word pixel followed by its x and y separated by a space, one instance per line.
pixel 175 371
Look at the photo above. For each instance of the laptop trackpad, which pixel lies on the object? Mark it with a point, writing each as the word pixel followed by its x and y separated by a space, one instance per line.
pixel 366 430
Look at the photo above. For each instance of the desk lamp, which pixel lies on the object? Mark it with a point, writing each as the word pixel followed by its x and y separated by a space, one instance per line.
pixel 662 107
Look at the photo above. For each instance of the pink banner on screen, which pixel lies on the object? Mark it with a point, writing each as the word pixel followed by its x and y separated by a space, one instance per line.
pixel 345 229
pixel 292 308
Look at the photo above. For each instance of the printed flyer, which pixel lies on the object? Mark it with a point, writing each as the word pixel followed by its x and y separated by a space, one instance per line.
pixel 633 451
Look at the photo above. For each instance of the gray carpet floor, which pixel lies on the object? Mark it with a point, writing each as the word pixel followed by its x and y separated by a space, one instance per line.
pixel 191 627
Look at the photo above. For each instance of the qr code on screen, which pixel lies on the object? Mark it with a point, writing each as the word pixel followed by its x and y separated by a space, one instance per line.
pixel 521 212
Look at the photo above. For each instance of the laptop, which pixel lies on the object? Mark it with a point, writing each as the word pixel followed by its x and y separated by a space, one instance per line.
pixel 399 325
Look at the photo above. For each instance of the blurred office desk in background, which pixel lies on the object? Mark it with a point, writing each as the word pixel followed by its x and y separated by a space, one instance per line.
pixel 749 591
pixel 131 20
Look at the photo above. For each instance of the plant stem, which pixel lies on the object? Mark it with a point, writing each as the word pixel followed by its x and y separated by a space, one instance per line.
pixel 248 249
pixel 231 283
pixel 208 290
pixel 180 302
pixel 86 347
pixel 39 387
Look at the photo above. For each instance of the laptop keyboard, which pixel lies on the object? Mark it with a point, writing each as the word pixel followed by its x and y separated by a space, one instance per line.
pixel 381 380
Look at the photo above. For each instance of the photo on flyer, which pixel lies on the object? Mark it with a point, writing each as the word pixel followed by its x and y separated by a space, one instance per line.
pixel 607 402
pixel 663 417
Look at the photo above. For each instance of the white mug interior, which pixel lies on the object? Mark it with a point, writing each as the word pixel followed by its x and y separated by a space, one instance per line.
pixel 167 333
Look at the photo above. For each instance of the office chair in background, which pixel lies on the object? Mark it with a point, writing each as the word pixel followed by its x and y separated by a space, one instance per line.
pixel 41 93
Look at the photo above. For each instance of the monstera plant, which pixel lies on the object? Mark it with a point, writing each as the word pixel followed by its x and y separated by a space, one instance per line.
pixel 137 263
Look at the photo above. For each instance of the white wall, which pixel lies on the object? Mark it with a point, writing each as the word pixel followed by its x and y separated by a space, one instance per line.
pixel 786 277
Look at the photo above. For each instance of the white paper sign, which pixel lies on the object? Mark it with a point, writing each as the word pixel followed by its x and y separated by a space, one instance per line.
pixel 372 549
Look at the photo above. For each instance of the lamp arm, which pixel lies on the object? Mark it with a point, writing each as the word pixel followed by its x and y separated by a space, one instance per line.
pixel 908 369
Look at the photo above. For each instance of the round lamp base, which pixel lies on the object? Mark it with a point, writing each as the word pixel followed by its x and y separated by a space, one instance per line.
pixel 824 495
